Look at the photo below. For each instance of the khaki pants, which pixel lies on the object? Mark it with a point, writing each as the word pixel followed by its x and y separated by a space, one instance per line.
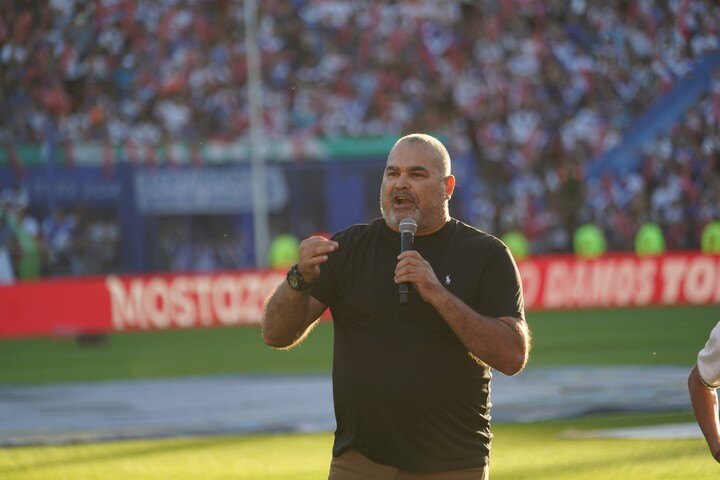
pixel 353 465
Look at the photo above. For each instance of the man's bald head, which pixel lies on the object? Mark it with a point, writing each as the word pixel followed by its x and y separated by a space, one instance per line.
pixel 440 153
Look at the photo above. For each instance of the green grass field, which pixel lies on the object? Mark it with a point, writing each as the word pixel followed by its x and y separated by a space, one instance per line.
pixel 651 336
pixel 520 451
pixel 654 336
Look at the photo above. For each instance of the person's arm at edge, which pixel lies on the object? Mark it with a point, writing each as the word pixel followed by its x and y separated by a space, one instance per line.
pixel 705 407
pixel 289 314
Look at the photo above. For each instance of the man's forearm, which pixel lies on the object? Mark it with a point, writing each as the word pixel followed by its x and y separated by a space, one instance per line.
pixel 285 320
pixel 705 406
pixel 503 344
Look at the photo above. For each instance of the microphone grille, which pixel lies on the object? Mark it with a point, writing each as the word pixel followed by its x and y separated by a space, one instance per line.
pixel 408 225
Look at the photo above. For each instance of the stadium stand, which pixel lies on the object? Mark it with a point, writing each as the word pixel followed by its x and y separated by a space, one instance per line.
pixel 531 91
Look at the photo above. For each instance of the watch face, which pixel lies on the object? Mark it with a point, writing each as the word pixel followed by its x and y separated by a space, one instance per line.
pixel 293 280
pixel 296 280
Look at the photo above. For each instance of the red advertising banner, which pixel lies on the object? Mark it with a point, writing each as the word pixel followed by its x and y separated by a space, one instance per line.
pixel 127 303
pixel 159 302
pixel 557 282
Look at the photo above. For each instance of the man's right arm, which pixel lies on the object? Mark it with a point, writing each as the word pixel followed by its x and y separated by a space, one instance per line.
pixel 289 314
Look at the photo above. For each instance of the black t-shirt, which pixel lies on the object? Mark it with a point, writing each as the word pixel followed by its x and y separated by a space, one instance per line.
pixel 407 392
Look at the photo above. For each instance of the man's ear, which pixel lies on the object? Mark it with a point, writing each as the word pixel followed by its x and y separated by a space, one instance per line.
pixel 449 186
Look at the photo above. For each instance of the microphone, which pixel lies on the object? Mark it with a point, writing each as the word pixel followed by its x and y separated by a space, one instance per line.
pixel 408 227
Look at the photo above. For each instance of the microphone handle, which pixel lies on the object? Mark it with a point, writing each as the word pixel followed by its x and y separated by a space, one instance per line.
pixel 404 292
pixel 406 243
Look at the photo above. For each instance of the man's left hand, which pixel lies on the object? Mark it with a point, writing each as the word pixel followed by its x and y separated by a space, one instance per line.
pixel 414 269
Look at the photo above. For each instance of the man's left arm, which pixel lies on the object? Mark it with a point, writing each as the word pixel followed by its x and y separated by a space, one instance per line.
pixel 502 343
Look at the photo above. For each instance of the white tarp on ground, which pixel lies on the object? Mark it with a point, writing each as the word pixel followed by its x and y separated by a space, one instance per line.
pixel 95 411
pixel 669 431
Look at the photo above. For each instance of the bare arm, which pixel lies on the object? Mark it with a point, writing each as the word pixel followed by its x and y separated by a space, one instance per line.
pixel 705 406
pixel 502 343
pixel 290 314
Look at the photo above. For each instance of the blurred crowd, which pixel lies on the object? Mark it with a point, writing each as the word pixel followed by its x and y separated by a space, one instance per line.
pixel 531 89
pixel 509 74
pixel 63 242
pixel 81 241
pixel 201 244
pixel 677 187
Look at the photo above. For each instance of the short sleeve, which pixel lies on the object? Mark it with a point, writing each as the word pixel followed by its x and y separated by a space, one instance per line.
pixel 500 293
pixel 708 360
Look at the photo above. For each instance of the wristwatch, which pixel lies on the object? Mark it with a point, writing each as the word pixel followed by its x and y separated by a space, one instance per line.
pixel 296 280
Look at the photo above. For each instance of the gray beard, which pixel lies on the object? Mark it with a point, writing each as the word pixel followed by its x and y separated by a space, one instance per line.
pixel 393 219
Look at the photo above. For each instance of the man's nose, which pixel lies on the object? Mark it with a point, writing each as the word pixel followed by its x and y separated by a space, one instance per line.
pixel 402 181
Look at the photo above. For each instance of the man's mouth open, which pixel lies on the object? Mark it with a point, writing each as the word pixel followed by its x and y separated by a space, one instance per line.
pixel 403 201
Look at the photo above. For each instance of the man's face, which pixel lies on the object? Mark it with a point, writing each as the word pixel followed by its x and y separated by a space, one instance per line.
pixel 413 186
